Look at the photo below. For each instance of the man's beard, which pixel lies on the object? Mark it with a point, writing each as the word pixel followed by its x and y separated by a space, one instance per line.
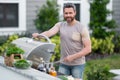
pixel 69 19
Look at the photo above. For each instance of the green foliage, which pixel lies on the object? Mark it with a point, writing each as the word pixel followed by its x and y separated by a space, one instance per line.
pixel 103 46
pixel 22 64
pixel 13 49
pixel 98 72
pixel 4 46
pixel 56 56
pixel 99 24
pixel 47 16
pixel 3 39
pixel 111 24
pixel 116 41
pixel 111 61
pixel 62 77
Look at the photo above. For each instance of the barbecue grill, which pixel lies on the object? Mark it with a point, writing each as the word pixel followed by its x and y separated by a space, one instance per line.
pixel 35 50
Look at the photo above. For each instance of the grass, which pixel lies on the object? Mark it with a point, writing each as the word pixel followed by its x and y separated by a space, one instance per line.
pixel 113 62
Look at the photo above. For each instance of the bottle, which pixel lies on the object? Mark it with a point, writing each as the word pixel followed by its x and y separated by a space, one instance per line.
pixel 41 66
pixel 47 67
pixel 53 72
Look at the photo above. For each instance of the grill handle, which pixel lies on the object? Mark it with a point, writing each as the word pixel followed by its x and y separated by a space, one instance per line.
pixel 49 41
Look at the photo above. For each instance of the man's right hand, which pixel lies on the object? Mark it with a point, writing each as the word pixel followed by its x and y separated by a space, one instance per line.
pixel 35 35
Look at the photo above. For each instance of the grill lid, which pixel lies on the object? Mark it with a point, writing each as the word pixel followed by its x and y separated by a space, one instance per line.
pixel 34 50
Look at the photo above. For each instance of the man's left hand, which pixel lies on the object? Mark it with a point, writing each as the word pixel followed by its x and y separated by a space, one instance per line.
pixel 68 58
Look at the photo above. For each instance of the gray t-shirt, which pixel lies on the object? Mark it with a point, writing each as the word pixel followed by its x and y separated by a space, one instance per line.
pixel 71 40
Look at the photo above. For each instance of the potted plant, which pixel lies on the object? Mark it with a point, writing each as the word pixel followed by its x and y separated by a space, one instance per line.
pixel 13 53
pixel 23 64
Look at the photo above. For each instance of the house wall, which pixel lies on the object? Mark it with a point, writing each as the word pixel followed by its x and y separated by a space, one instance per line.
pixel 32 8
pixel 116 12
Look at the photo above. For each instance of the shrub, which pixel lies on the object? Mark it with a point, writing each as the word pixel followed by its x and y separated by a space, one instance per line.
pixel 116 41
pixel 56 56
pixel 47 16
pixel 103 46
pixel 99 24
pixel 3 39
pixel 10 39
pixel 98 72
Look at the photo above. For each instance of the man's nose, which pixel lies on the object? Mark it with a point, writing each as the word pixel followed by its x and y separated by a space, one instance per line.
pixel 68 14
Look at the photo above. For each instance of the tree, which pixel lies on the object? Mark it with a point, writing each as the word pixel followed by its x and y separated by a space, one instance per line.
pixel 47 16
pixel 100 26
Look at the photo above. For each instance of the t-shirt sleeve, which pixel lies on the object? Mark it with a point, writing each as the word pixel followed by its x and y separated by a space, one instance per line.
pixel 85 33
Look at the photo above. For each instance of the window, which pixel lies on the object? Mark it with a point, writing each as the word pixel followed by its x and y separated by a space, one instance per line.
pixel 12 16
pixel 8 15
pixel 78 11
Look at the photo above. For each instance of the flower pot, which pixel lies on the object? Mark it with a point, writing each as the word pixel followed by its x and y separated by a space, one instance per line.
pixel 8 60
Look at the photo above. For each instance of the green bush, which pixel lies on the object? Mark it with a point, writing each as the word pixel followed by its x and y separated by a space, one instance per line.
pixel 47 16
pixel 98 72
pixel 10 39
pixel 116 41
pixel 99 24
pixel 103 46
pixel 56 56
pixel 3 39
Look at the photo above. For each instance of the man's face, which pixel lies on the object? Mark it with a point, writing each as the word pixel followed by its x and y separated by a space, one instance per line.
pixel 69 14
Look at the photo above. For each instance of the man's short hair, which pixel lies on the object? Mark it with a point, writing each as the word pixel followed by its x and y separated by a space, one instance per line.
pixel 69 5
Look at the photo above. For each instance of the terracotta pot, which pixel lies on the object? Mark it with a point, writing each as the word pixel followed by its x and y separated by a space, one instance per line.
pixel 10 59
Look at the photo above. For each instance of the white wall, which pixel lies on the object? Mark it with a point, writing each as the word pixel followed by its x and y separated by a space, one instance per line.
pixel 109 6
pixel 85 13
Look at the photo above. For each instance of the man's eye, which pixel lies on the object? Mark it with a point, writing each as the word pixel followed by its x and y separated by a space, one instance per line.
pixel 66 13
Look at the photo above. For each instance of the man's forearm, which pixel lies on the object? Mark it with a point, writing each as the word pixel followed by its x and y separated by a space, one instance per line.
pixel 83 52
pixel 46 33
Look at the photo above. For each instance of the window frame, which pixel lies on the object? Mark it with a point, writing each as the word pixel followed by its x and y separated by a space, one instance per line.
pixel 21 14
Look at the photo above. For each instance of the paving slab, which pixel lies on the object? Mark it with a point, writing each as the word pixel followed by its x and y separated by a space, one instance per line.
pixel 116 72
pixel 116 78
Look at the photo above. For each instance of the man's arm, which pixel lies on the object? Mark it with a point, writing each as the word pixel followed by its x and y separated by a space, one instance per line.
pixel 50 32
pixel 86 50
